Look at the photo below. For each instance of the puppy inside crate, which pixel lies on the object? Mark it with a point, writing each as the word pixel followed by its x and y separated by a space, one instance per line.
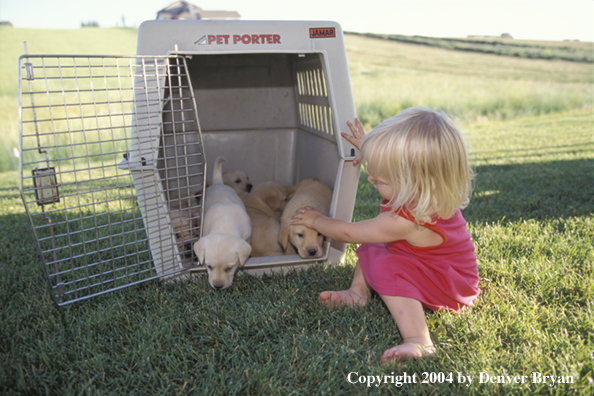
pixel 181 168
pixel 238 180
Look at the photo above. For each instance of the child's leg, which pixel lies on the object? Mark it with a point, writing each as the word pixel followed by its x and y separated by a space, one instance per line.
pixel 356 295
pixel 410 319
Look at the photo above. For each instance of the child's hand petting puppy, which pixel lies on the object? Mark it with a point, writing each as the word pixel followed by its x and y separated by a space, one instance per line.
pixel 306 216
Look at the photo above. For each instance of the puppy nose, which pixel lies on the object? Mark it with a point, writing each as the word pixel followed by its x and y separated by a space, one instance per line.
pixel 217 286
pixel 312 252
pixel 249 187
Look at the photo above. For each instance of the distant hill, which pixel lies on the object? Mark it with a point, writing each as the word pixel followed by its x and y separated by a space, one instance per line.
pixel 562 50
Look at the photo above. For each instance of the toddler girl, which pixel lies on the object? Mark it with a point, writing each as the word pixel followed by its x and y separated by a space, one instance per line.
pixel 417 253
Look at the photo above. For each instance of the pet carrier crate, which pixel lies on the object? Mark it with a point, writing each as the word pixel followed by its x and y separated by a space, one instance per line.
pixel 115 150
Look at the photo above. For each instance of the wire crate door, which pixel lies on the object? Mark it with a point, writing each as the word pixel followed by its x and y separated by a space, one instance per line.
pixel 112 169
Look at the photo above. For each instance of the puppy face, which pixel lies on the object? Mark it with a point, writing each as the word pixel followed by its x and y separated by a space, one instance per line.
pixel 237 180
pixel 307 242
pixel 222 254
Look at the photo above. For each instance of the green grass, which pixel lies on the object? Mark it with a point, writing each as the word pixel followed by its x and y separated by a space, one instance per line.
pixel 389 76
pixel 551 50
pixel 116 41
pixel 531 218
pixel 532 223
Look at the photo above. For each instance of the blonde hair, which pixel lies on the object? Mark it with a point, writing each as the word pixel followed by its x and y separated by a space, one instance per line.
pixel 423 156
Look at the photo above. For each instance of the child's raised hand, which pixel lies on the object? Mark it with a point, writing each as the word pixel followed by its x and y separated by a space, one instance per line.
pixel 358 133
pixel 305 216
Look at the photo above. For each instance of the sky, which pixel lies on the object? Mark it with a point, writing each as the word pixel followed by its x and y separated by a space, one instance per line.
pixel 523 19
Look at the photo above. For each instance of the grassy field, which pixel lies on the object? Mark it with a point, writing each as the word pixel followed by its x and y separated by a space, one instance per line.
pixel 89 41
pixel 471 86
pixel 530 127
pixel 553 50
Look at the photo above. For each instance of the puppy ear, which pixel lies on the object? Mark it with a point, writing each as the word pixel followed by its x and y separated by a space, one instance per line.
pixel 282 199
pixel 199 249
pixel 273 200
pixel 283 235
pixel 243 250
pixel 290 192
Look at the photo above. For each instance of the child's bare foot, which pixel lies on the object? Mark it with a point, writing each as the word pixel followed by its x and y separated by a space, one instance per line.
pixel 348 297
pixel 410 348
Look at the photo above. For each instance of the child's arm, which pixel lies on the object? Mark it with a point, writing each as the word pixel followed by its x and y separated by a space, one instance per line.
pixel 386 227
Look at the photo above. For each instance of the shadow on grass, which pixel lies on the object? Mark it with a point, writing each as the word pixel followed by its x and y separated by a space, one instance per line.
pixel 541 190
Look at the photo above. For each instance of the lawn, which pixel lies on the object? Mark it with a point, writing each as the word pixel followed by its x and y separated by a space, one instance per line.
pixel 531 218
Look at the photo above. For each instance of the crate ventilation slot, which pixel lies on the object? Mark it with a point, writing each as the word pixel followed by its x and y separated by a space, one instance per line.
pixel 315 113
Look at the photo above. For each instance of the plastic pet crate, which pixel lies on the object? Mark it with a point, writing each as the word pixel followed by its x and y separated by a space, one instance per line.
pixel 116 150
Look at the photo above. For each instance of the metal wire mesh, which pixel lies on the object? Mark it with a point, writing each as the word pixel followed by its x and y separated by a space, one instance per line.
pixel 112 169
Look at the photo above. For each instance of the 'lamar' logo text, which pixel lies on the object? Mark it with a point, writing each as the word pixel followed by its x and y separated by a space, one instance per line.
pixel 322 32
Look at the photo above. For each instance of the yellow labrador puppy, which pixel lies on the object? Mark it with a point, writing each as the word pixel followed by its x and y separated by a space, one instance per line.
pixel 185 226
pixel 304 241
pixel 238 180
pixel 264 205
pixel 226 232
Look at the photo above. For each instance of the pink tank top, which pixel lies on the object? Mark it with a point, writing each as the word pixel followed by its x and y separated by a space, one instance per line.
pixel 444 276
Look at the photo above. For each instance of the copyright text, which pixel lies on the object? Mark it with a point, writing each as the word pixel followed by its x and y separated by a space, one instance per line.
pixel 455 378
